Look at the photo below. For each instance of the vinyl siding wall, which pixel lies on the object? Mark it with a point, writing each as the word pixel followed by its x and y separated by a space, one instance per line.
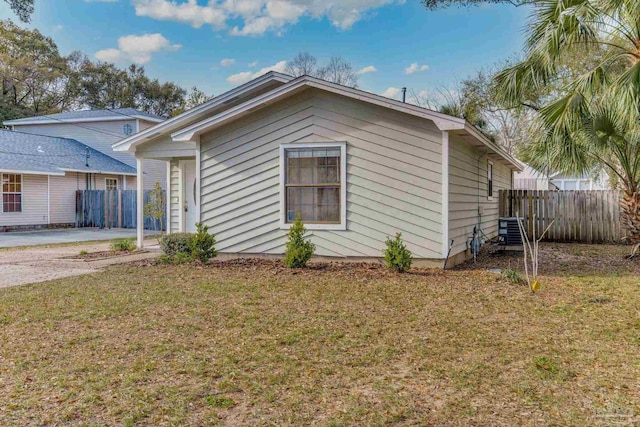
pixel 468 190
pixel 34 203
pixel 393 177
pixel 101 136
pixel 174 196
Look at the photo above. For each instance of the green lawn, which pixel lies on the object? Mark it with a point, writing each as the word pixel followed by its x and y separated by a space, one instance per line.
pixel 254 344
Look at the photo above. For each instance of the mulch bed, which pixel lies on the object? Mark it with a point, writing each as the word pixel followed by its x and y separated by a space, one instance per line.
pixel 276 268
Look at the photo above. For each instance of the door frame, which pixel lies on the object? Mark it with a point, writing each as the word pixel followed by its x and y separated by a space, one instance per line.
pixel 181 199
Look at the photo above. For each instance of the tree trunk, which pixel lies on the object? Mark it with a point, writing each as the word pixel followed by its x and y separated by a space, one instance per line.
pixel 630 206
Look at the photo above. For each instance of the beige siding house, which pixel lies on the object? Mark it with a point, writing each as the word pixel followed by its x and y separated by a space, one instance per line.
pixel 358 167
pixel 39 176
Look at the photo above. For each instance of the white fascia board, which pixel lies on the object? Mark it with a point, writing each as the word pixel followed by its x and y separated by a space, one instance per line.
pixel 99 172
pixel 171 124
pixel 122 118
pixel 28 172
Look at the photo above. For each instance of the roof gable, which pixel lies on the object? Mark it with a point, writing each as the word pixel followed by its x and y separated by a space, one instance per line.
pixel 189 131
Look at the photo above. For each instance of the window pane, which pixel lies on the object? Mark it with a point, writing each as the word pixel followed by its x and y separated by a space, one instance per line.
pixel 313 166
pixel 12 203
pixel 315 204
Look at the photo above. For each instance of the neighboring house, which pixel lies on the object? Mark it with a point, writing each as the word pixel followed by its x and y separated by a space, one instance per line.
pixel 532 179
pixel 40 175
pixel 582 182
pixel 359 167
pixel 99 129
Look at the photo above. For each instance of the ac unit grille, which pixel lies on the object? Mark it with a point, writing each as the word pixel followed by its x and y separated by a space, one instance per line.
pixel 509 232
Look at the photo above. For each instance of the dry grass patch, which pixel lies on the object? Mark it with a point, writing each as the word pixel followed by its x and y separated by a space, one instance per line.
pixel 251 343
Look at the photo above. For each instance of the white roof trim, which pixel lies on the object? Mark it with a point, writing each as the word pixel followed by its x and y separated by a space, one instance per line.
pixel 121 118
pixel 175 122
pixel 28 172
pixel 442 121
pixel 98 172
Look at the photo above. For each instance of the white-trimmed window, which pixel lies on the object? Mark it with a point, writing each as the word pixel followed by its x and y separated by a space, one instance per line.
pixel 490 180
pixel 313 184
pixel 111 184
pixel 11 193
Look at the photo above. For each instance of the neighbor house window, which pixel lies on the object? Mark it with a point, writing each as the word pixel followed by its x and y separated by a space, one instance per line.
pixel 313 184
pixel 490 180
pixel 111 183
pixel 11 193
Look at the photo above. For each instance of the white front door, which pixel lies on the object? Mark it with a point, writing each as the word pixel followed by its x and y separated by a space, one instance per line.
pixel 189 204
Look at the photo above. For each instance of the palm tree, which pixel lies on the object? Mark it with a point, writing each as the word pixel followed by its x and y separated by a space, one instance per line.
pixel 593 121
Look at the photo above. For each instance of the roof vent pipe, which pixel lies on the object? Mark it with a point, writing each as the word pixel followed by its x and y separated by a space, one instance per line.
pixel 404 94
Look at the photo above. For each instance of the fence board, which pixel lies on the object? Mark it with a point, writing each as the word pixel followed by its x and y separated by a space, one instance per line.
pixel 112 208
pixel 588 216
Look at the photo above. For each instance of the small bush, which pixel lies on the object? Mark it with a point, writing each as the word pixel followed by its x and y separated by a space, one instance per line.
pixel 83 252
pixel 182 258
pixel 164 259
pixel 203 244
pixel 299 251
pixel 172 244
pixel 397 256
pixel 513 277
pixel 123 245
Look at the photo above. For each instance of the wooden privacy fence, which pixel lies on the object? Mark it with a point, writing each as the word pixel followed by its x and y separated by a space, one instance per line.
pixel 578 216
pixel 113 209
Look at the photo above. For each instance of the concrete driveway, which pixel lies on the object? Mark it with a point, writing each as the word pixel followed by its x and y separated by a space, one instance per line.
pixel 67 235
pixel 41 263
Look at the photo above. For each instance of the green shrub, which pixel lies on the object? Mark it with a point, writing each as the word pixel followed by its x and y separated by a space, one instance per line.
pixel 203 244
pixel 513 277
pixel 182 258
pixel 397 256
pixel 299 251
pixel 172 244
pixel 83 252
pixel 123 245
pixel 164 259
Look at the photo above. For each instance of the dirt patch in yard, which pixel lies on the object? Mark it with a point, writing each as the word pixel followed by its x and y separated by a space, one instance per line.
pixel 92 256
pixel 562 259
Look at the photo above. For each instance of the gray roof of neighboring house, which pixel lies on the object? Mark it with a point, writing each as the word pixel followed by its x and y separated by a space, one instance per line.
pixel 89 115
pixel 25 152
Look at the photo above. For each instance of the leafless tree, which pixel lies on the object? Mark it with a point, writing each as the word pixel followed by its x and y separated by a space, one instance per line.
pixel 303 64
pixel 339 71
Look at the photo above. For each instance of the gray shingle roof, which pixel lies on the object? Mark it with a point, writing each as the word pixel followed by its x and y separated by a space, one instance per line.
pixel 119 113
pixel 27 152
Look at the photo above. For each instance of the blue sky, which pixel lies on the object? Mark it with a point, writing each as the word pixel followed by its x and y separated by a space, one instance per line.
pixel 185 40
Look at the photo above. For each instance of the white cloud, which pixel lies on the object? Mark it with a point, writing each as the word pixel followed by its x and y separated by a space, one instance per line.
pixel 227 62
pixel 414 68
pixel 257 16
pixel 367 69
pixel 391 92
pixel 245 76
pixel 188 13
pixel 253 64
pixel 138 49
